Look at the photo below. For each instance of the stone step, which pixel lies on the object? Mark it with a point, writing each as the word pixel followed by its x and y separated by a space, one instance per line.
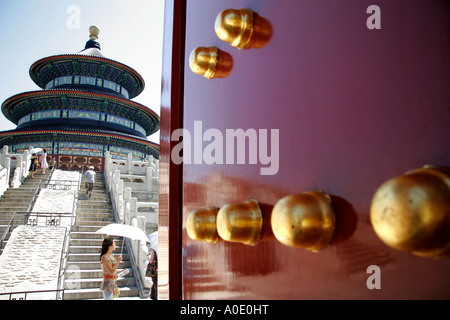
pixel 95 213
pixel 87 283
pixel 91 256
pixel 83 197
pixel 86 229
pixel 18 200
pixel 86 212
pixel 89 265
pixel 76 273
pixel 99 184
pixel 18 193
pixel 95 293
pixel 82 216
pixel 84 249
pixel 95 193
pixel 7 210
pixel 5 218
pixel 93 242
pixel 14 204
pixel 31 183
pixel 93 216
pixel 86 235
pixel 97 205
pixel 97 223
pixel 3 227
pixel 94 248
pixel 28 185
pixel 96 190
pixel 95 200
pixel 37 178
pixel 97 187
pixel 26 193
pixel 94 222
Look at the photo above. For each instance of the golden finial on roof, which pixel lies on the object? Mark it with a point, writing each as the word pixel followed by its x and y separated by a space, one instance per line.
pixel 93 32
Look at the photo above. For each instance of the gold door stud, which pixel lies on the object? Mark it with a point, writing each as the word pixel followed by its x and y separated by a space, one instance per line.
pixel 242 28
pixel 210 62
pixel 411 212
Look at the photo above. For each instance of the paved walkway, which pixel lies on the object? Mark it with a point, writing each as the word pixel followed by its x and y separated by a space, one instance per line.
pixel 31 260
pixel 32 256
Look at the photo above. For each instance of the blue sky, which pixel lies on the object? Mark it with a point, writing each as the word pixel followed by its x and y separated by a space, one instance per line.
pixel 131 32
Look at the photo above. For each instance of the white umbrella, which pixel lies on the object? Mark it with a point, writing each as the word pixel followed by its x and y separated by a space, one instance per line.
pixel 153 237
pixel 124 230
pixel 36 150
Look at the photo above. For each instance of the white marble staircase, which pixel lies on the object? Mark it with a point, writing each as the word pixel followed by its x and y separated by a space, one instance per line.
pixel 83 274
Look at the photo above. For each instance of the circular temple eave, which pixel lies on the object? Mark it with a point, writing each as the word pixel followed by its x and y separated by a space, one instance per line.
pixel 49 68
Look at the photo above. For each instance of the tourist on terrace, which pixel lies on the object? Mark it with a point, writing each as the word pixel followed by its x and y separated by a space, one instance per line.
pixel 90 178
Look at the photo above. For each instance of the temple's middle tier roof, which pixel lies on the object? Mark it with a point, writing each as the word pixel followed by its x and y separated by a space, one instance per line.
pixel 21 105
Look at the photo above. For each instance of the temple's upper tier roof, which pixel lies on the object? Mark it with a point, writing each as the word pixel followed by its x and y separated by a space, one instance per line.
pixel 89 62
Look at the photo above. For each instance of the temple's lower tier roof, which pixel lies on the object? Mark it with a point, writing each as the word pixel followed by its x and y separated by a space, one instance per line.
pixel 80 136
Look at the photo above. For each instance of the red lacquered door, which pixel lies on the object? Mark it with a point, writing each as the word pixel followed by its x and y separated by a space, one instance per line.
pixel 356 96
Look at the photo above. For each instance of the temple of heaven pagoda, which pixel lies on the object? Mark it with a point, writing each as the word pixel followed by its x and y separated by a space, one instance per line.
pixel 83 111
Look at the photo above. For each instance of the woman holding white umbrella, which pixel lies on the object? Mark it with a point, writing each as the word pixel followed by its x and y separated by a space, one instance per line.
pixel 109 264
pixel 44 163
pixel 109 267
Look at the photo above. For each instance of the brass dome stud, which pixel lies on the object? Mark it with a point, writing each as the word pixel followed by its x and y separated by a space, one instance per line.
pixel 411 212
pixel 235 27
pixel 242 28
pixel 304 220
pixel 210 62
pixel 201 225
pixel 240 222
